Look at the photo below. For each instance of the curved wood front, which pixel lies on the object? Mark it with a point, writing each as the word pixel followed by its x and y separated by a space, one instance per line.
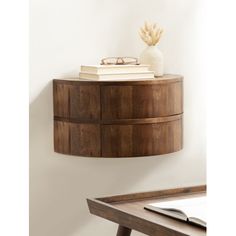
pixel 141 101
pixel 118 119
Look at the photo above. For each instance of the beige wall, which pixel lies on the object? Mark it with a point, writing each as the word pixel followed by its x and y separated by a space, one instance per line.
pixel 67 33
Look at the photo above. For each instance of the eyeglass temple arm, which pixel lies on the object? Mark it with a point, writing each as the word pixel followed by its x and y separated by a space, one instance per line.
pixel 119 61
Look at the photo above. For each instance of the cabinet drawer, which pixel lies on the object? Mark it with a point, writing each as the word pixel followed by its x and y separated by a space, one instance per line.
pixel 81 102
pixel 77 139
pixel 141 139
pixel 141 101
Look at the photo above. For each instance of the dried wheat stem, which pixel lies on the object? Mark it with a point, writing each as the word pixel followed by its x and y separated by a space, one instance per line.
pixel 150 33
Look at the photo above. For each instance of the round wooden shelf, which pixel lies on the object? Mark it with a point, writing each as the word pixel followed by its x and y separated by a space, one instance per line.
pixel 118 118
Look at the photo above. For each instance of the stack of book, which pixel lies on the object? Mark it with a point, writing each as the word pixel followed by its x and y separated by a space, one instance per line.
pixel 116 72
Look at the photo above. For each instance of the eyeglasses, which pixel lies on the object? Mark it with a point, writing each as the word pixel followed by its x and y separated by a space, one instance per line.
pixel 119 61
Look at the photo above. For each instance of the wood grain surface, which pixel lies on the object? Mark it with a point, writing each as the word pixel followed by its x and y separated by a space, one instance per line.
pixel 118 119
pixel 141 101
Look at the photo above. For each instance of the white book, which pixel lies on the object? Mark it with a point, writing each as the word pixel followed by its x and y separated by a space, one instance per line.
pixel 192 210
pixel 114 69
pixel 121 76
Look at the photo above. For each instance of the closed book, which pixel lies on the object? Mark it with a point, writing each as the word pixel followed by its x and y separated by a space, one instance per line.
pixel 114 69
pixel 121 76
pixel 191 210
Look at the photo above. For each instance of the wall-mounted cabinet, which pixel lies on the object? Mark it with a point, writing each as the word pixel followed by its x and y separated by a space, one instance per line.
pixel 118 118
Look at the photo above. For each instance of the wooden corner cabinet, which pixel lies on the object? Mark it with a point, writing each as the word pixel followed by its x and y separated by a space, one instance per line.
pixel 118 118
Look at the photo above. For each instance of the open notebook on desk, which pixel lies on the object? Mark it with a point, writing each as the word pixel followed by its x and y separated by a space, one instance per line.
pixel 192 210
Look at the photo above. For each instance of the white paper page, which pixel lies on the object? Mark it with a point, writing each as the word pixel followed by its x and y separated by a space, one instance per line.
pixel 192 207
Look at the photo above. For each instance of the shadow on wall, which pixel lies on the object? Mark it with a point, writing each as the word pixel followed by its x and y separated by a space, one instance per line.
pixel 60 184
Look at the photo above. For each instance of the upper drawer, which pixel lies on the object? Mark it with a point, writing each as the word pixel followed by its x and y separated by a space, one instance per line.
pixel 79 102
pixel 141 101
pixel 89 101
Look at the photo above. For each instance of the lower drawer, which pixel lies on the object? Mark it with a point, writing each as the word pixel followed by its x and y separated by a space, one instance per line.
pixel 77 139
pixel 141 139
pixel 118 140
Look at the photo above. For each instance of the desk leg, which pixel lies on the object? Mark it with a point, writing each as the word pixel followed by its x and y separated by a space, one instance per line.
pixel 123 231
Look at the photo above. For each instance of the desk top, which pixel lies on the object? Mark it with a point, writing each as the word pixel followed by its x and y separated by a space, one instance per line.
pixel 128 210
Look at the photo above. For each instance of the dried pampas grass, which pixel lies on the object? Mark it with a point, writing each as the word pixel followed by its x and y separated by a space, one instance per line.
pixel 150 33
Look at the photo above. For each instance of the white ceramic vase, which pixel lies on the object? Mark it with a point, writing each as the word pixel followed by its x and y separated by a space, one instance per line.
pixel 153 57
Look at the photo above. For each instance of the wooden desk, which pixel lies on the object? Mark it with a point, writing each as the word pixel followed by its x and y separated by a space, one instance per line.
pixel 128 211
